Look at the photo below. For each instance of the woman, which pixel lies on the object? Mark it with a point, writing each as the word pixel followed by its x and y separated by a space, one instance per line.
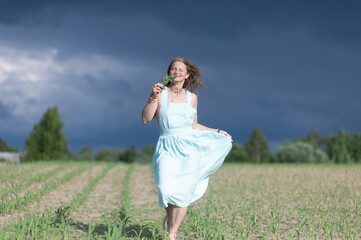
pixel 187 152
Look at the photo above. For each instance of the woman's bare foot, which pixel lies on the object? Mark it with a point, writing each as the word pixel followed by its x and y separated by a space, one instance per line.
pixel 173 236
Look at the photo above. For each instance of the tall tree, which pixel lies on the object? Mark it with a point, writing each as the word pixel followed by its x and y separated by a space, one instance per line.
pixel 354 146
pixel 47 140
pixel 346 147
pixel 257 147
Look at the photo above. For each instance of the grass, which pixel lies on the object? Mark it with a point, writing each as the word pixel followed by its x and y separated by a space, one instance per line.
pixel 119 201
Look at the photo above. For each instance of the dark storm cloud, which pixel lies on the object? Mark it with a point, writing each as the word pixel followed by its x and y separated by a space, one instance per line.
pixel 5 111
pixel 284 67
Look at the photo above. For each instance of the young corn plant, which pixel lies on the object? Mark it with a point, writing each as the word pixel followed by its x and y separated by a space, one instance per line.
pixel 8 206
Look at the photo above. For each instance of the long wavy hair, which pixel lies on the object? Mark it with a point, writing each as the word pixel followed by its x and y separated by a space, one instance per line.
pixel 194 81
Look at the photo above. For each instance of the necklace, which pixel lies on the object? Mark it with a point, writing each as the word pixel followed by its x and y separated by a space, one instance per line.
pixel 176 91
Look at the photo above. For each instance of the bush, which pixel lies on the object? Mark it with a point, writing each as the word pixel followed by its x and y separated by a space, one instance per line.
pixel 108 154
pixel 300 152
pixel 237 154
pixel 85 154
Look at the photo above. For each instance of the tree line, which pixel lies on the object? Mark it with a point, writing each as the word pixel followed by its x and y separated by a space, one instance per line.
pixel 47 141
pixel 343 147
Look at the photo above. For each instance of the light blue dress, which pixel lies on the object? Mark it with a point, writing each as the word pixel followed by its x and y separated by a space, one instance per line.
pixel 185 157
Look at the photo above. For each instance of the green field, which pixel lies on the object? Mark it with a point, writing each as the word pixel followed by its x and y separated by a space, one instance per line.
pixel 68 200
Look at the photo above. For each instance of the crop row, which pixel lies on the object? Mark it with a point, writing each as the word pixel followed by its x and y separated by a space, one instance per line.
pixel 14 201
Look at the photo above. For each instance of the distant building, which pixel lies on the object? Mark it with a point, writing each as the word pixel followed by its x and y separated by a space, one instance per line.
pixel 10 156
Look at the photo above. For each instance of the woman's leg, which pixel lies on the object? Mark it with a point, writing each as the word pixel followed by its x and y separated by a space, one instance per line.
pixel 166 221
pixel 168 210
pixel 176 217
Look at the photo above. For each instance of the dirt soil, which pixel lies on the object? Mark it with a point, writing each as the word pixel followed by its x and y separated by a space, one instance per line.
pixel 104 199
pixel 62 195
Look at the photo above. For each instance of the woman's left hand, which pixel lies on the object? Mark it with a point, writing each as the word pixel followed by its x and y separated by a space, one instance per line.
pixel 225 134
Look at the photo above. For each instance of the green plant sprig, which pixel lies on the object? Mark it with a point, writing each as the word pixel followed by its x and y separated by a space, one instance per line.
pixel 167 79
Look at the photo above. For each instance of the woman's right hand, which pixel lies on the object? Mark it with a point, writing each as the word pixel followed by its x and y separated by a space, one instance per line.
pixel 157 88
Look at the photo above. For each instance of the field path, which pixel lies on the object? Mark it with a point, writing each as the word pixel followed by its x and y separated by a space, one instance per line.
pixel 104 199
pixel 144 194
pixel 66 192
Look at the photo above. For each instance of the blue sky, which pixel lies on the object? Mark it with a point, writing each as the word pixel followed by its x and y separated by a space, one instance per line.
pixel 286 67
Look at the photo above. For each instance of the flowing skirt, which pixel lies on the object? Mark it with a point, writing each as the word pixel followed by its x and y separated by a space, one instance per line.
pixel 183 161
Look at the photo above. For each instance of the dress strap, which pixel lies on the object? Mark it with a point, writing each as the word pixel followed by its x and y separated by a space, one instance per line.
pixel 189 97
pixel 165 95
pixel 164 104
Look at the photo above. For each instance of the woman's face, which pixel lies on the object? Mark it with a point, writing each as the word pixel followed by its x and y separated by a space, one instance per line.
pixel 180 69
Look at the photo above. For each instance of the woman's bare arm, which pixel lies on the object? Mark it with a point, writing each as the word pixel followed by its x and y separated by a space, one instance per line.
pixel 151 108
